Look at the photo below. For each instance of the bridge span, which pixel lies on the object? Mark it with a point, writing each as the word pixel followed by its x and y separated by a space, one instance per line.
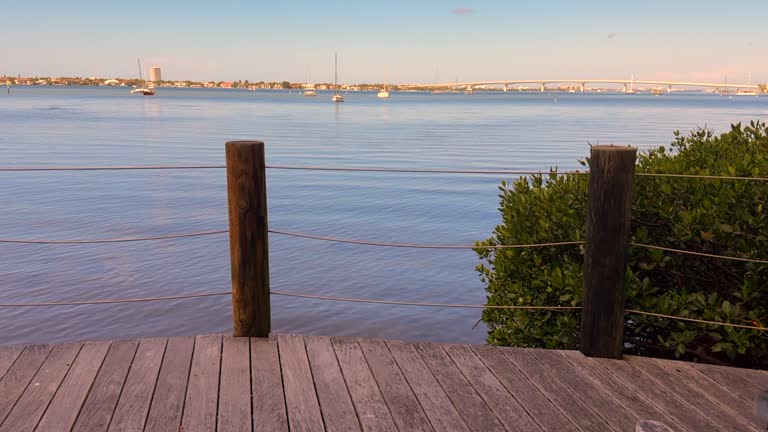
pixel 581 83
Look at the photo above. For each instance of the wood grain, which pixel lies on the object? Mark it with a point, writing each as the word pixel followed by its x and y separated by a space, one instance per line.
pixel 202 396
pixel 168 403
pixel 62 412
pixel 372 411
pixel 8 356
pixel 335 403
pixel 19 375
pixel 132 407
pixel 33 402
pixel 470 406
pixel 235 386
pixel 100 404
pixel 300 397
pixel 267 386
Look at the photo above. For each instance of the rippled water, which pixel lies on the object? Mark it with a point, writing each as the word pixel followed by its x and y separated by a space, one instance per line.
pixel 107 126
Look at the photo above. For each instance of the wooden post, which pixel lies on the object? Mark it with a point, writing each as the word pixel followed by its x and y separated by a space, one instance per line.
pixel 248 245
pixel 611 172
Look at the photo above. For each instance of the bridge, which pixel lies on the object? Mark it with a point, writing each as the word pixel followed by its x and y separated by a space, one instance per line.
pixel 582 83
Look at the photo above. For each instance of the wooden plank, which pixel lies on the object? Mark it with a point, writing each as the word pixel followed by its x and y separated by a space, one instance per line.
pixel 403 405
pixel 682 371
pixel 8 356
pixel 168 401
pixel 758 377
pixel 300 397
pixel 267 387
pixel 725 377
pixel 569 403
pixel 438 408
pixel 132 407
pixel 611 385
pixel 335 404
pixel 202 397
pixel 62 413
pixel 673 406
pixel 19 375
pixel 371 409
pixel 100 404
pixel 32 404
pixel 699 400
pixel 471 407
pixel 507 409
pixel 586 390
pixel 235 387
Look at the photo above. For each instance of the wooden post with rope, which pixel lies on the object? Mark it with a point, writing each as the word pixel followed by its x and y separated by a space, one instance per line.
pixel 611 173
pixel 248 242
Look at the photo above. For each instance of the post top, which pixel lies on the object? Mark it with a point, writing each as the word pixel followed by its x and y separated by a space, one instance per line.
pixel 243 143
pixel 612 147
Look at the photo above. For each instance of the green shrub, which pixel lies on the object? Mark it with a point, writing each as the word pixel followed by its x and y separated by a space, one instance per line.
pixel 722 217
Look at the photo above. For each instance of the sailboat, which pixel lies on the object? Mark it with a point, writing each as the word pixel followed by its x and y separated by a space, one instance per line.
pixel 631 86
pixel 310 90
pixel 146 90
pixel 337 97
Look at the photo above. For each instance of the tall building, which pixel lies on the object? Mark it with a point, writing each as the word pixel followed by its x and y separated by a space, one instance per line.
pixel 154 74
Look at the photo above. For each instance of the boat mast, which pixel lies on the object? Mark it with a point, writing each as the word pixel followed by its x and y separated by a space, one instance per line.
pixel 141 78
pixel 336 71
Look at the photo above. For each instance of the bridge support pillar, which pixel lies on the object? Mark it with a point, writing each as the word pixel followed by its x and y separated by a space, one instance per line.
pixel 542 88
pixel 669 89
pixel 581 88
pixel 625 87
pixel 506 87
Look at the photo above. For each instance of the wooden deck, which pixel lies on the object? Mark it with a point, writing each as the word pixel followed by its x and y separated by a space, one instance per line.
pixel 307 383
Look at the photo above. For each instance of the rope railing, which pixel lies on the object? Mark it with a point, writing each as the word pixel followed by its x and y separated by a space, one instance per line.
pixel 116 240
pixel 366 169
pixel 369 301
pixel 699 253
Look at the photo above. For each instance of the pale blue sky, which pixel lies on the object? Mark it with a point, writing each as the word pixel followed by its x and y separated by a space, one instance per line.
pixel 397 41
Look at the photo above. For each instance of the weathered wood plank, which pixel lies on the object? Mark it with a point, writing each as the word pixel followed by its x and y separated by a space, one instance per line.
pixel 203 388
pixel 403 405
pixel 235 386
pixel 335 404
pixel 471 407
pixel 438 408
pixel 371 409
pixel 508 410
pixel 713 410
pixel 725 377
pixel 682 371
pixel 100 404
pixel 32 404
pixel 569 403
pixel 66 404
pixel 586 390
pixel 267 387
pixel 168 401
pixel 611 385
pixel 19 375
pixel 133 406
pixel 300 397
pixel 8 356
pixel 672 405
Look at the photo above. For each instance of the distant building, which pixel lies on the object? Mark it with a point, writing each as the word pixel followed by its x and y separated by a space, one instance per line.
pixel 154 74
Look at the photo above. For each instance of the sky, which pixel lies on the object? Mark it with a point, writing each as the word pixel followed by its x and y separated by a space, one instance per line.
pixel 417 41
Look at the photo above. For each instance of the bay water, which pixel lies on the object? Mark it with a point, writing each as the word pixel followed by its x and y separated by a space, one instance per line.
pixel 92 126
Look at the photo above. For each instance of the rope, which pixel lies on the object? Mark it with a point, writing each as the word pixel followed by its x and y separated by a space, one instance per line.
pixel 403 303
pixel 109 168
pixel 696 320
pixel 113 301
pixel 419 170
pixel 700 253
pixel 709 177
pixel 116 240
pixel 417 246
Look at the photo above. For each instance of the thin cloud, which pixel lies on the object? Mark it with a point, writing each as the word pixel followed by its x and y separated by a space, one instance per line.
pixel 462 11
pixel 611 35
